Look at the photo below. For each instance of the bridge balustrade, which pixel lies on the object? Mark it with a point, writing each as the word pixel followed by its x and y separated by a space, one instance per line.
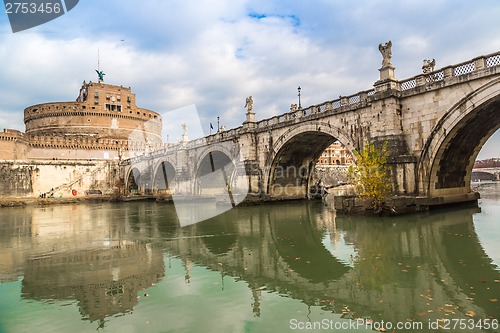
pixel 493 60
pixel 457 70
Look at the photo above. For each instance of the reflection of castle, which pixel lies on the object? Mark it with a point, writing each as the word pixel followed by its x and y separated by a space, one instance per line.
pixel 103 123
pixel 104 281
pixel 91 260
pixel 335 154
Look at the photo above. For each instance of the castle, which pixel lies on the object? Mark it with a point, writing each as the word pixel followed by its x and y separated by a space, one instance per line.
pixel 103 123
pixel 69 148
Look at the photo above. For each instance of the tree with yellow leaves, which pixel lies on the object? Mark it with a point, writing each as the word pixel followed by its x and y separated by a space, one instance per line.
pixel 370 175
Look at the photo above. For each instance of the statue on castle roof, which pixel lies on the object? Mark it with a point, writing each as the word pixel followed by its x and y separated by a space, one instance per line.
pixel 386 51
pixel 82 97
pixel 249 104
pixel 100 74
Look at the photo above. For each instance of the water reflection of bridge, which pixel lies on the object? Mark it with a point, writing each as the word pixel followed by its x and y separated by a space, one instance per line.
pixel 394 274
pixel 397 266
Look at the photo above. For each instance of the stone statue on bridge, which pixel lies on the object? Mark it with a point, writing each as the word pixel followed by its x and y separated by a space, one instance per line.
pixel 386 51
pixel 249 104
pixel 428 66
pixel 293 107
pixel 184 132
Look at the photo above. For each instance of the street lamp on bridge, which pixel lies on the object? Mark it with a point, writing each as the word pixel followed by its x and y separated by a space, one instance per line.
pixel 299 89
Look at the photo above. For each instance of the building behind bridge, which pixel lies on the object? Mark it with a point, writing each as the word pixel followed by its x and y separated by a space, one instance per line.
pixel 335 155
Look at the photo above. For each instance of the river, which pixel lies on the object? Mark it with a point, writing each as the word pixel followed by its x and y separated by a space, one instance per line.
pixel 296 266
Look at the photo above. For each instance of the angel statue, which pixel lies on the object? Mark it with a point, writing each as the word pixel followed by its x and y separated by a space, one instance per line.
pixel 184 132
pixel 386 51
pixel 249 104
pixel 101 75
pixel 428 66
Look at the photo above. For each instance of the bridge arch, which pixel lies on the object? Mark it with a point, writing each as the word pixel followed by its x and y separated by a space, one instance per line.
pixel 164 178
pixel 214 173
pixel 291 162
pixel 447 160
pixel 133 181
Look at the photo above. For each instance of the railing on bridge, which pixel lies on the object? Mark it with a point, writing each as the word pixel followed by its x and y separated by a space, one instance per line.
pixel 487 61
pixel 316 109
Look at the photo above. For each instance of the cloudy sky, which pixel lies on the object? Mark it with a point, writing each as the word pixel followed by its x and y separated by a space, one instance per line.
pixel 212 54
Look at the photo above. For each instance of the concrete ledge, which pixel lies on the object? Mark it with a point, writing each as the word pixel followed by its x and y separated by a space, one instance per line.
pixel 454 199
pixel 350 204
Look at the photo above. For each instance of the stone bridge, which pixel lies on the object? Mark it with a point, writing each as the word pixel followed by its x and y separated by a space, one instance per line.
pixel 486 173
pixel 434 123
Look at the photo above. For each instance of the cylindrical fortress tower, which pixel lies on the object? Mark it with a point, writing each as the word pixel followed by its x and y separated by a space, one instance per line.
pixel 102 117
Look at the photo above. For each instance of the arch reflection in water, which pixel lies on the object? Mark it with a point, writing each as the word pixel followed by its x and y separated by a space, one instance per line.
pixel 398 265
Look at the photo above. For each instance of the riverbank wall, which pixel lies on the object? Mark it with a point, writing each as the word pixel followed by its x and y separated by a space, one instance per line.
pixel 57 178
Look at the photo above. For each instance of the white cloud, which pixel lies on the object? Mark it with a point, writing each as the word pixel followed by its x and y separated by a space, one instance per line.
pixel 216 53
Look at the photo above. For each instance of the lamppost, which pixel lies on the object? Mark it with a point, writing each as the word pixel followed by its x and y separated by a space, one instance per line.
pixel 299 89
pixel 218 127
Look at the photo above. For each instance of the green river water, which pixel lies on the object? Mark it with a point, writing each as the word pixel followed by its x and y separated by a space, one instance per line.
pixel 297 266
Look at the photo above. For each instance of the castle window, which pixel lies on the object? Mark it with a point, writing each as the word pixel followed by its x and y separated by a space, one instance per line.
pixel 128 105
pixel 96 102
pixel 128 99
pixel 119 108
pixel 108 97
pixel 96 94
pixel 118 98
pixel 108 107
